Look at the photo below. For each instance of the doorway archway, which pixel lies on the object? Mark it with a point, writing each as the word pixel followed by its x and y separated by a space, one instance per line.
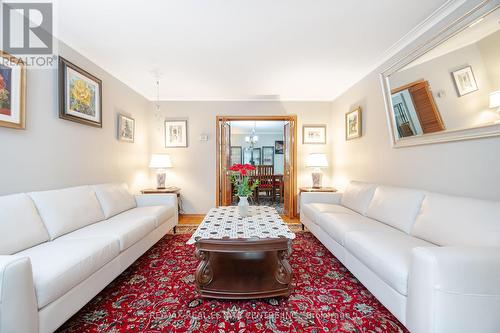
pixel 223 141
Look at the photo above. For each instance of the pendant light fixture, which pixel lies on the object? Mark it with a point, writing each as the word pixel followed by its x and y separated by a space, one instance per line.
pixel 158 94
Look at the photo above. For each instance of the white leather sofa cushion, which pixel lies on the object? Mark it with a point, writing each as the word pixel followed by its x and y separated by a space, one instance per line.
pixel 396 206
pixel 20 225
pixel 66 210
pixel 126 229
pixel 453 221
pixel 312 209
pixel 160 214
pixel 114 198
pixel 357 196
pixel 60 265
pixel 386 253
pixel 338 225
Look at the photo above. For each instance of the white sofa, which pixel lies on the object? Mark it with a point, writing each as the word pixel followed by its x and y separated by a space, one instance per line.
pixel 58 249
pixel 433 260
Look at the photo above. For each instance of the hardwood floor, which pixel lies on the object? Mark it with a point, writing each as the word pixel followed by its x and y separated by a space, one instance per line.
pixel 195 219
pixel 190 219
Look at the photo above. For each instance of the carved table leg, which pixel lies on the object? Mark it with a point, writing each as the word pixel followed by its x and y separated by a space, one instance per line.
pixel 284 271
pixel 204 273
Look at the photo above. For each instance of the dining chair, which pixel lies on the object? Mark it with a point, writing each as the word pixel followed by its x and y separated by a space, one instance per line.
pixel 267 185
pixel 265 170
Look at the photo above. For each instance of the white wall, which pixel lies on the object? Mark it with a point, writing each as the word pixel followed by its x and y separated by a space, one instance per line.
pixel 490 50
pixel 53 153
pixel 466 168
pixel 195 167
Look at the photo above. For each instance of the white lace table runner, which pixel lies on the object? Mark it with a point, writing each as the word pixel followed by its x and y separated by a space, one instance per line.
pixel 225 222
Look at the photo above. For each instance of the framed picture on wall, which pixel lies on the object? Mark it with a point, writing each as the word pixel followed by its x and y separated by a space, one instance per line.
pixel 126 128
pixel 80 95
pixel 353 124
pixel 465 81
pixel 314 134
pixel 278 147
pixel 176 134
pixel 236 155
pixel 12 92
pixel 267 155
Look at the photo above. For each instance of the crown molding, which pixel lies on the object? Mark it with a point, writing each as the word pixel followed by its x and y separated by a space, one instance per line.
pixel 434 18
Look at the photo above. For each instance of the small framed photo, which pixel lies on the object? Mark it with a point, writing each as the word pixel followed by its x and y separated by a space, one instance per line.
pixel 314 134
pixel 278 147
pixel 176 134
pixel 12 92
pixel 80 95
pixel 126 128
pixel 465 81
pixel 236 155
pixel 353 124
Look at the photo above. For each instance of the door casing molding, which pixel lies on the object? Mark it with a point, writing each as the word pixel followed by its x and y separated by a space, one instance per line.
pixel 293 177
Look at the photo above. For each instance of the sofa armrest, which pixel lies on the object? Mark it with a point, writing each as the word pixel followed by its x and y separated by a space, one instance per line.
pixel 18 304
pixel 320 197
pixel 167 199
pixel 454 289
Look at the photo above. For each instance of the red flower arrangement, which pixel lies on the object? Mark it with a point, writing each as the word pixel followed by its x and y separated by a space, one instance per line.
pixel 241 180
pixel 242 168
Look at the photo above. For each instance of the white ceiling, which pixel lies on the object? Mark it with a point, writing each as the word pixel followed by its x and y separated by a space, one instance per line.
pixel 238 49
pixel 261 126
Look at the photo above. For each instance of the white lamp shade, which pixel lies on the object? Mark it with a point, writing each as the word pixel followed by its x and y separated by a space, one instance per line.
pixel 495 99
pixel 317 161
pixel 160 161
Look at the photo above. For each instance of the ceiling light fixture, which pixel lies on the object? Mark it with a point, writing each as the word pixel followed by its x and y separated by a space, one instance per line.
pixel 158 95
pixel 253 138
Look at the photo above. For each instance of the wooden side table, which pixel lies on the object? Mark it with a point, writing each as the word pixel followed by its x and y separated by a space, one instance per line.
pixel 171 189
pixel 316 190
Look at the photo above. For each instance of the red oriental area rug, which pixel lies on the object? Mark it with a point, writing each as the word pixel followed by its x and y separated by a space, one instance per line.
pixel 157 294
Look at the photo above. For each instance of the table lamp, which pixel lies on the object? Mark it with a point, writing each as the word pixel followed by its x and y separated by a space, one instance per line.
pixel 317 161
pixel 495 100
pixel 160 162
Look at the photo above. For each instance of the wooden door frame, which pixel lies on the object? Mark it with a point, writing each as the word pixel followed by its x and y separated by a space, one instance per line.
pixel 293 176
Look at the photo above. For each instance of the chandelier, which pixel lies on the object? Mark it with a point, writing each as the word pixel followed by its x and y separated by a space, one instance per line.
pixel 252 139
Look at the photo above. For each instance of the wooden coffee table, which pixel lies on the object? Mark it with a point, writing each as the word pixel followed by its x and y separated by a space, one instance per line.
pixel 243 258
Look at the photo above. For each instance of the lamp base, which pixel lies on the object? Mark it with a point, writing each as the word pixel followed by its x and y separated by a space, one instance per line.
pixel 317 178
pixel 160 180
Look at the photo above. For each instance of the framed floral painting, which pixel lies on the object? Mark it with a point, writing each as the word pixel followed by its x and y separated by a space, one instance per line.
pixel 80 95
pixel 126 128
pixel 12 92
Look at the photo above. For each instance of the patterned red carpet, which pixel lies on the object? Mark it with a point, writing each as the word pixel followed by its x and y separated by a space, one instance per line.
pixel 157 294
